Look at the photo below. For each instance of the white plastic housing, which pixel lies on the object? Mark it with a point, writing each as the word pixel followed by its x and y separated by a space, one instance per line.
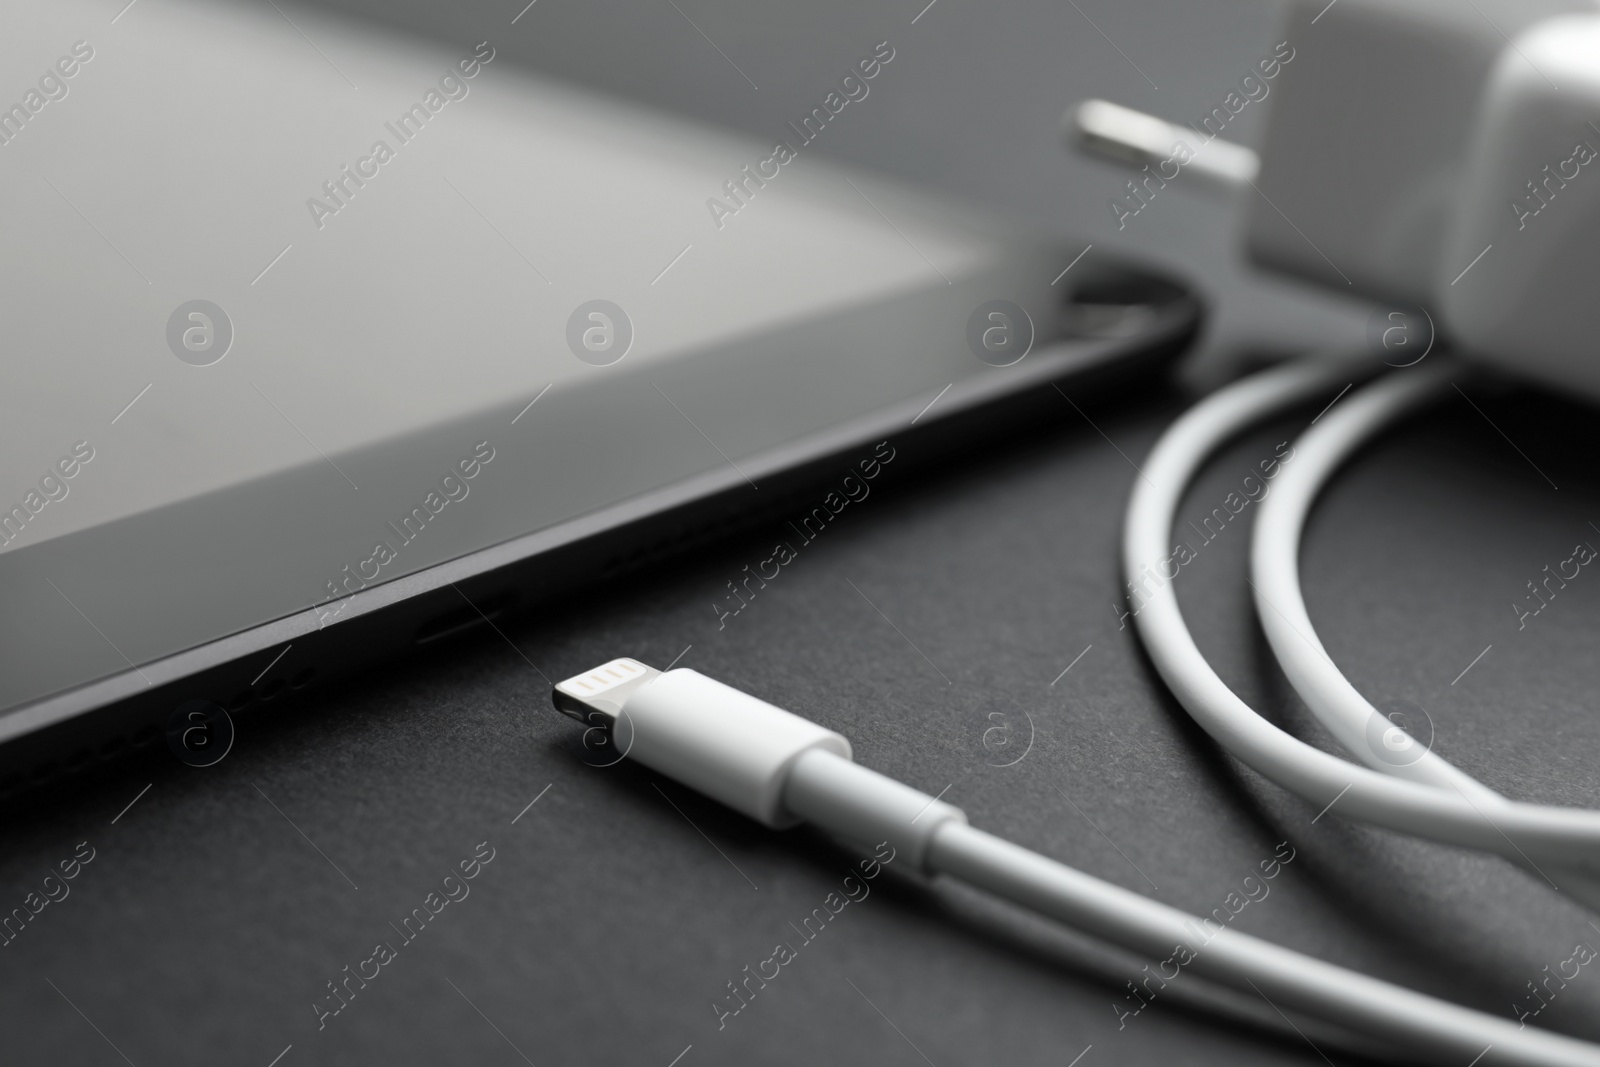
pixel 719 741
pixel 1367 136
pixel 1445 154
pixel 1529 206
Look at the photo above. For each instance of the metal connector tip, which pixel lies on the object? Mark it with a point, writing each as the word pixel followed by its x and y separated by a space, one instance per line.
pixel 1136 139
pixel 596 697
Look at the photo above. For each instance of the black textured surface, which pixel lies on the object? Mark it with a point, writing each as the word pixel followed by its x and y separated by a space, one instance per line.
pixel 617 907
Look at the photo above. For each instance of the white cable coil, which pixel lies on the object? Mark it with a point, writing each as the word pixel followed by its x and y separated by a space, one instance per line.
pixel 1565 837
pixel 1355 722
pixel 778 768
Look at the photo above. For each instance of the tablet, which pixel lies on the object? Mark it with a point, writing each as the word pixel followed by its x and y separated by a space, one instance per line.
pixel 326 342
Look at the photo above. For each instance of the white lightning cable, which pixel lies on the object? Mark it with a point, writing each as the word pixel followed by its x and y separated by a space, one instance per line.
pixel 1274 565
pixel 1550 837
pixel 780 770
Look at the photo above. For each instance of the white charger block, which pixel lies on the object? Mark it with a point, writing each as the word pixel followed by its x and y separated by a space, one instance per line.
pixel 1516 283
pixel 1366 137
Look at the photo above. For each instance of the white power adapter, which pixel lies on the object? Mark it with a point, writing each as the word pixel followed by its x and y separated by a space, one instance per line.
pixel 1515 279
pixel 1431 153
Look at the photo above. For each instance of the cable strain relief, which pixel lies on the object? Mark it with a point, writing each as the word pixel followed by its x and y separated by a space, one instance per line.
pixel 861 805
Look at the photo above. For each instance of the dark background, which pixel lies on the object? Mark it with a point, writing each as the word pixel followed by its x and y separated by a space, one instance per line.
pixel 619 905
